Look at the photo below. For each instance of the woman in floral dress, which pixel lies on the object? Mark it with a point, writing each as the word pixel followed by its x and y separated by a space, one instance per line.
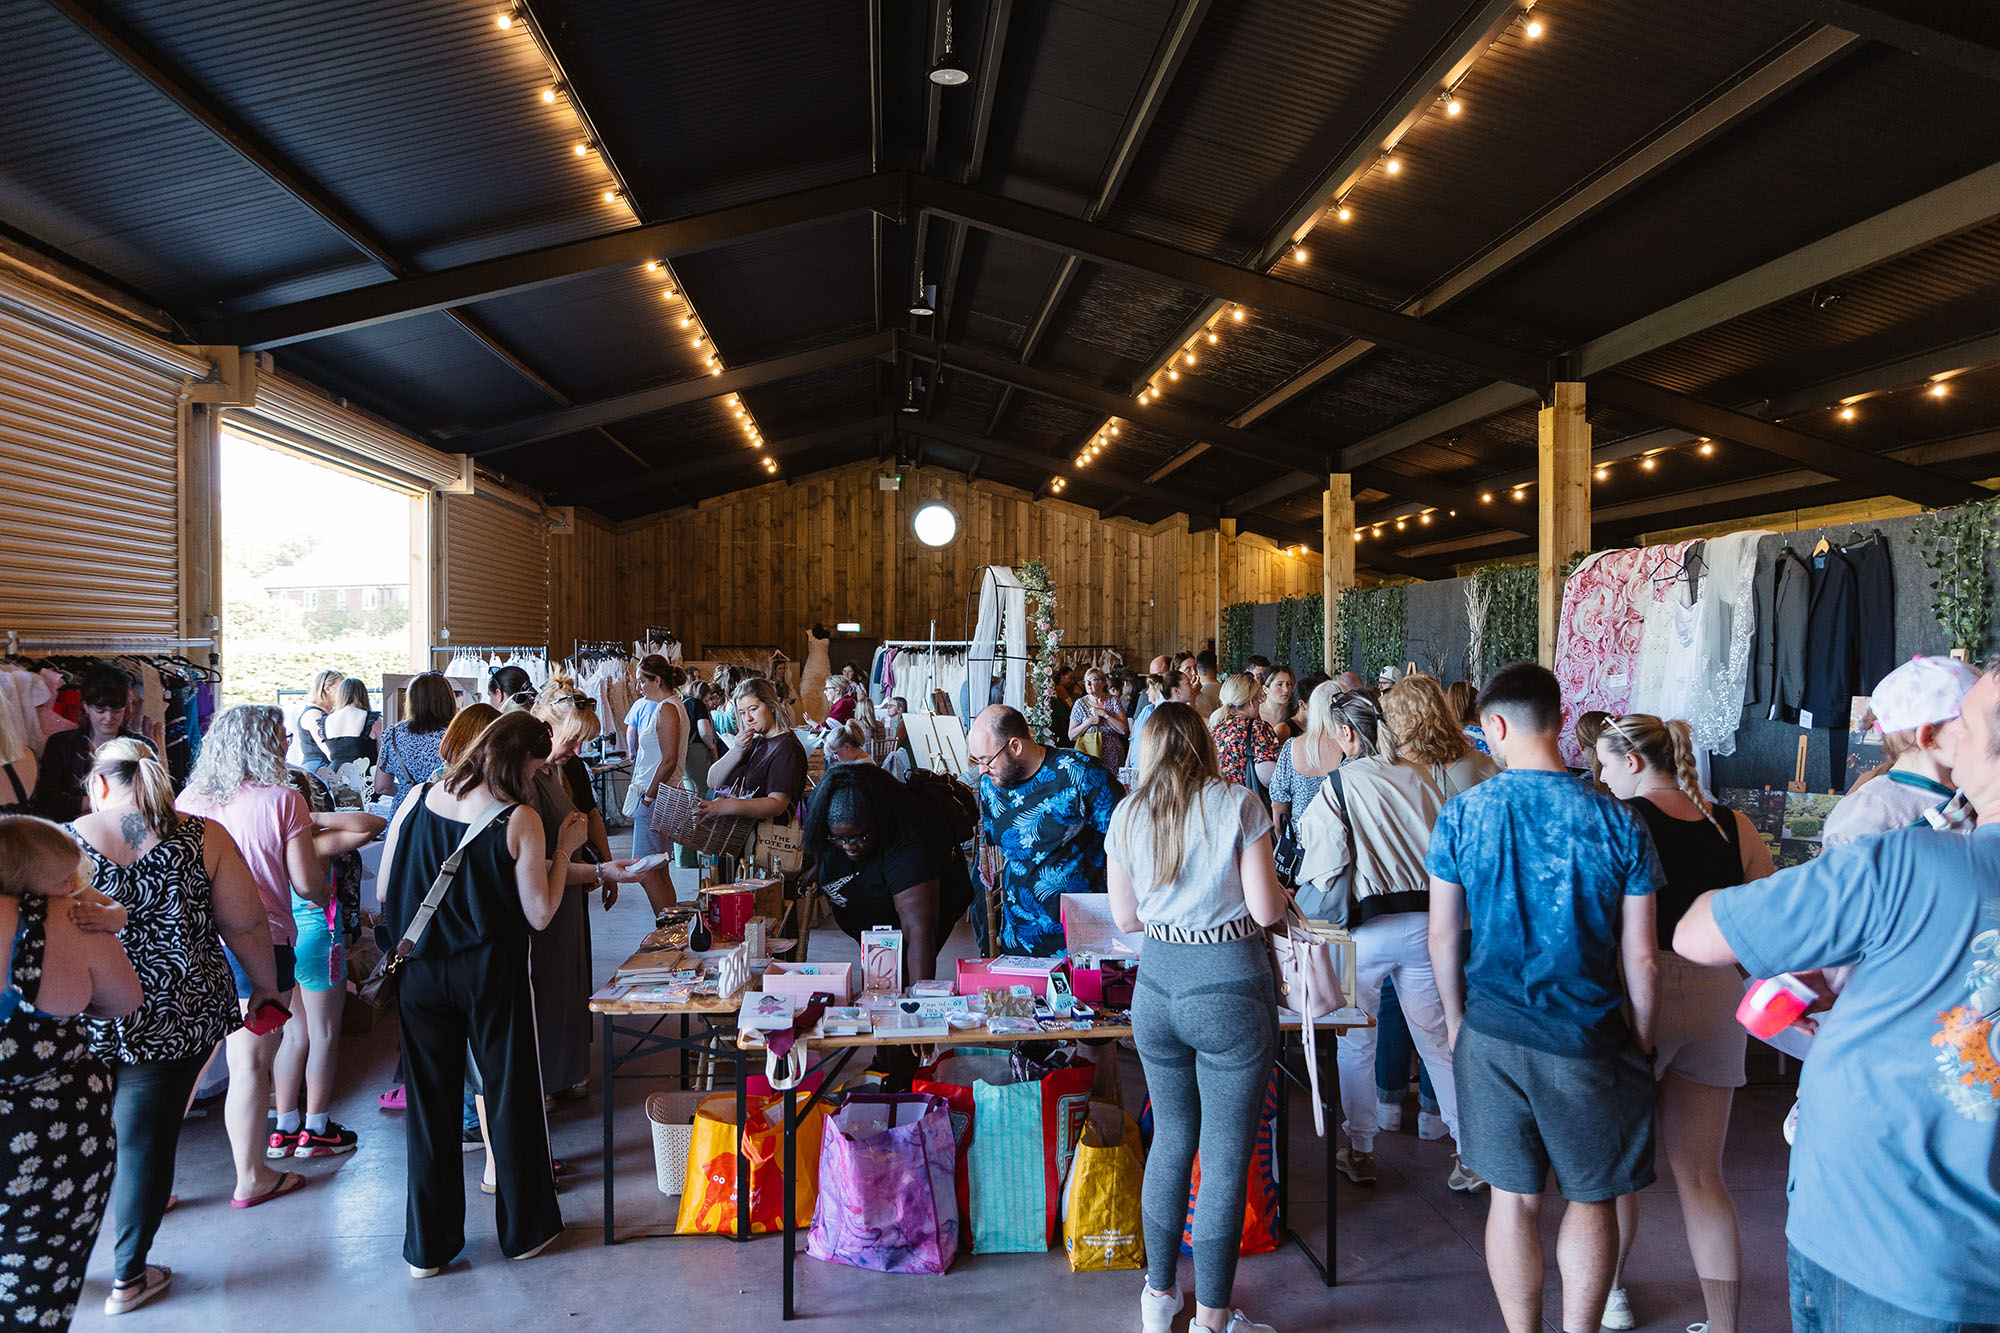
pixel 57 1151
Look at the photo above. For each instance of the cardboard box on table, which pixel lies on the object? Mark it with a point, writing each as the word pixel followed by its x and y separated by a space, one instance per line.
pixel 805 979
pixel 979 974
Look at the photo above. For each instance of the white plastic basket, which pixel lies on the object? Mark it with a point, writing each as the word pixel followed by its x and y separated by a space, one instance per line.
pixel 671 1115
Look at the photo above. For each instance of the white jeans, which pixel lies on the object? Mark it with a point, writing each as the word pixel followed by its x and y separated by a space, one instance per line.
pixel 1394 946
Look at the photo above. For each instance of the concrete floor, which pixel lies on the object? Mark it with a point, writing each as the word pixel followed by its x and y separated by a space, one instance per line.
pixel 1410 1255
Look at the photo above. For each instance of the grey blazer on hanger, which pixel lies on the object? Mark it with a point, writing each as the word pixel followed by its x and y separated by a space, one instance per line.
pixel 1783 638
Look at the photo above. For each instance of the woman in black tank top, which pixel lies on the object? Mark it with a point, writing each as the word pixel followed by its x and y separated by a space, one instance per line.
pixel 467 982
pixel 1650 765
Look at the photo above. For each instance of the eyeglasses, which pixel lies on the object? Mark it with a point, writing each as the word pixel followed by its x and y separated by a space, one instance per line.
pixel 846 844
pixel 981 761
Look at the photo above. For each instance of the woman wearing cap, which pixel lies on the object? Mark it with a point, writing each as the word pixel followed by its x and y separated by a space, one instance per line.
pixel 1916 711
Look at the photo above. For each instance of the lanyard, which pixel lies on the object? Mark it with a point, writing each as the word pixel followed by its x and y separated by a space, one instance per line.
pixel 1920 782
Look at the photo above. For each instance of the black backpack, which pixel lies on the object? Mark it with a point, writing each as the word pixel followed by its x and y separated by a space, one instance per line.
pixel 952 799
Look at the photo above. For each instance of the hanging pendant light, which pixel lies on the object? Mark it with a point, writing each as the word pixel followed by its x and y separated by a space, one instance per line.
pixel 949 72
pixel 910 393
pixel 924 300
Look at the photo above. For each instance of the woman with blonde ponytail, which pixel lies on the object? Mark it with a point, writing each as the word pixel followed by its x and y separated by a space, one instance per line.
pixel 1698 1062
pixel 182 883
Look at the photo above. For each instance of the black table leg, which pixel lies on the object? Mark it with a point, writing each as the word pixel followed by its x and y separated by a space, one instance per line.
pixel 1327 1273
pixel 785 1186
pixel 741 1063
pixel 610 1175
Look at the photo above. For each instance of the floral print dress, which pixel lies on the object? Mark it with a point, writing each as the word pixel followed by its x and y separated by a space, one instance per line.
pixel 57 1148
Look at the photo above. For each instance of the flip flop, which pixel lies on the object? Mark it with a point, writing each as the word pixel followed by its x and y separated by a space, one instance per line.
pixel 116 1303
pixel 289 1182
pixel 393 1100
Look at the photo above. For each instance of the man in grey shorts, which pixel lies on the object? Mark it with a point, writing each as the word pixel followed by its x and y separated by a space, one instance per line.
pixel 1556 880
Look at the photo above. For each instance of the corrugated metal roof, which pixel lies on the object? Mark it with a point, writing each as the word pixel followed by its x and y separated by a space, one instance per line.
pixel 425 372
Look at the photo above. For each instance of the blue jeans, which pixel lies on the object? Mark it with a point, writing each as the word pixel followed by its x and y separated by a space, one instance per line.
pixel 1822 1303
pixel 1394 1053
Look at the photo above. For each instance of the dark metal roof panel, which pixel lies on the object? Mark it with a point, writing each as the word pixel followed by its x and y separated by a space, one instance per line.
pixel 603 333
pixel 705 105
pixel 425 372
pixel 371 98
pixel 1112 324
pixel 1937 296
pixel 778 294
pixel 814 401
pixel 1876 130
pixel 1269 94
pixel 103 167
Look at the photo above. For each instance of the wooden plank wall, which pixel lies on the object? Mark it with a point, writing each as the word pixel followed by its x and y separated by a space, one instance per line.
pixel 760 566
pixel 1258 570
pixel 584 597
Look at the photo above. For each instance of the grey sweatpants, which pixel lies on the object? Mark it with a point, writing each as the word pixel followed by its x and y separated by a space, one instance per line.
pixel 1205 1019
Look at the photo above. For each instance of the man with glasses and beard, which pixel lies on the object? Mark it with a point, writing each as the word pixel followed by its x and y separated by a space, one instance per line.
pixel 1047 811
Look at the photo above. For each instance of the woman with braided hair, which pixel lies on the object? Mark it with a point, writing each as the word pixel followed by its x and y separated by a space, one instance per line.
pixel 1698 1055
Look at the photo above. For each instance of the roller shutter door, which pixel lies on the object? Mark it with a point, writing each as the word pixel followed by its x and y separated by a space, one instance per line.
pixel 89 485
pixel 496 573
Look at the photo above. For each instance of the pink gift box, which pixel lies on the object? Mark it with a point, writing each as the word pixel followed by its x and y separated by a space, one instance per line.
pixel 979 974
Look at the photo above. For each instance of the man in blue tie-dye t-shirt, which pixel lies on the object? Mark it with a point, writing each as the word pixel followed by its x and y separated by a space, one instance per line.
pixel 1047 811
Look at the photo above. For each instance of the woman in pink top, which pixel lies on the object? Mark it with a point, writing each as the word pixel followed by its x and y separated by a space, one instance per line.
pixel 240 782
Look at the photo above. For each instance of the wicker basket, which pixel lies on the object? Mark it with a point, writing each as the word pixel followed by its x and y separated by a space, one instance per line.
pixel 671 1115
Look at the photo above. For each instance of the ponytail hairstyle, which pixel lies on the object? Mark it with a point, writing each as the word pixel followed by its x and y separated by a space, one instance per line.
pixel 1663 747
pixel 129 765
pixel 570 713
pixel 1319 741
pixel 1176 766
pixel 849 734
pixel 353 693
pixel 1357 712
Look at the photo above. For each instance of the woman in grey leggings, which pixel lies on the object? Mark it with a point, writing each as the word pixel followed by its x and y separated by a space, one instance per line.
pixel 1189 862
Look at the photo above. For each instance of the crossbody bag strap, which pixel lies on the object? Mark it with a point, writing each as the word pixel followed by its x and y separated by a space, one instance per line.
pixel 446 873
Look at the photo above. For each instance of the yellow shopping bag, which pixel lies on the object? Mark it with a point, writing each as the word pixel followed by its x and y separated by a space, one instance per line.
pixel 1101 1223
pixel 708 1199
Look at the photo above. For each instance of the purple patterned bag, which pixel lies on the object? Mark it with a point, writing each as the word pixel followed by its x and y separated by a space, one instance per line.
pixel 887 1199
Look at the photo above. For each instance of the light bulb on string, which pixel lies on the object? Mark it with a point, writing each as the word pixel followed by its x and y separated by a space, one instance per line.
pixel 1487 498
pixel 1391 165
pixel 1298 253
pixel 1344 213
pixel 1520 494
pixel 1601 474
pixel 1707 449
pixel 1647 463
pixel 1114 430
pixel 548 95
pixel 1424 517
pixel 1189 358
pixel 503 22
pixel 1173 374
pixel 652 266
pixel 1938 389
pixel 612 196
pixel 582 149
pixel 1236 312
pixel 1212 338
pixel 1452 106
pixel 1847 414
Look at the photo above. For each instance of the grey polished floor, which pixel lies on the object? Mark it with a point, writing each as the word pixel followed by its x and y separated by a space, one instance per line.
pixel 330 1258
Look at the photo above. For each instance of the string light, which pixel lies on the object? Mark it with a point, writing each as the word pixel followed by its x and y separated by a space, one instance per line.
pixel 1520 494
pixel 1236 312
pixel 1647 462
pixel 1344 213
pixel 1706 449
pixel 581 149
pixel 1357 536
pixel 1534 28
pixel 1847 414
pixel 1452 106
pixel 1298 253
pixel 1212 338
pixel 1114 430
pixel 1399 525
pixel 1601 474
pixel 1424 517
pixel 1938 389
pixel 613 196
pixel 1487 498
pixel 503 22
pixel 1189 358
pixel 1391 165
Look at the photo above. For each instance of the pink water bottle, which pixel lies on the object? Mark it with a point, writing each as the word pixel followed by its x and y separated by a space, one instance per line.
pixel 1774 1004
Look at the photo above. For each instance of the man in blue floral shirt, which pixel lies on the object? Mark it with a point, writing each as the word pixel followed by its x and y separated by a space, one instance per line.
pixel 1047 811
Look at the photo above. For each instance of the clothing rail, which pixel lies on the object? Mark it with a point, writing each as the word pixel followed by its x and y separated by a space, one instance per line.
pixel 133 643
pixel 600 646
pixel 518 649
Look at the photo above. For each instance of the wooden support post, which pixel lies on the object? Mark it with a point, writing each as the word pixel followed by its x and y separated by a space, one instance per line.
pixel 1564 496
pixel 1225 580
pixel 1336 565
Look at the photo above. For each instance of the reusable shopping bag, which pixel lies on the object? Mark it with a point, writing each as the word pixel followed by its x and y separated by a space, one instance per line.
pixel 886 1197
pixel 1102 1227
pixel 708 1199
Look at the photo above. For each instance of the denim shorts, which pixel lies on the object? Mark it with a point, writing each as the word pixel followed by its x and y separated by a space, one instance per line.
pixel 287 976
pixel 1822 1302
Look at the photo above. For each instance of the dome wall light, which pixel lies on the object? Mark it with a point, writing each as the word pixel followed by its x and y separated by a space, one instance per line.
pixel 935 525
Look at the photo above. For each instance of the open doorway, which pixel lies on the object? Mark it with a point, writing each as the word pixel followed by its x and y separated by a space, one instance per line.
pixel 316 573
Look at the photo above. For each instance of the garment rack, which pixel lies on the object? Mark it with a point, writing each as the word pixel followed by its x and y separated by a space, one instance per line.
pixel 516 649
pixel 114 643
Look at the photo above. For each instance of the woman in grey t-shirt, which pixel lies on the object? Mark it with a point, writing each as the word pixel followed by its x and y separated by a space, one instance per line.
pixel 1188 859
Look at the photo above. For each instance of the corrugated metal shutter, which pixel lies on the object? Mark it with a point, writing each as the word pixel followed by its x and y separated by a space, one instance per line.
pixel 89 484
pixel 298 417
pixel 496 572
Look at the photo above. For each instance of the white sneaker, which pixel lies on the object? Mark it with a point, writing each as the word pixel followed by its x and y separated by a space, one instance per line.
pixel 1157 1309
pixel 1430 1127
pixel 1389 1116
pixel 1618 1310
pixel 421 1273
pixel 1242 1323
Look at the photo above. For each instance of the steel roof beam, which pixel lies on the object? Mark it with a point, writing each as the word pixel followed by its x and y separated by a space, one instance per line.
pixel 1964 35
pixel 446 289
pixel 1182 268
pixel 662 397
pixel 915 428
